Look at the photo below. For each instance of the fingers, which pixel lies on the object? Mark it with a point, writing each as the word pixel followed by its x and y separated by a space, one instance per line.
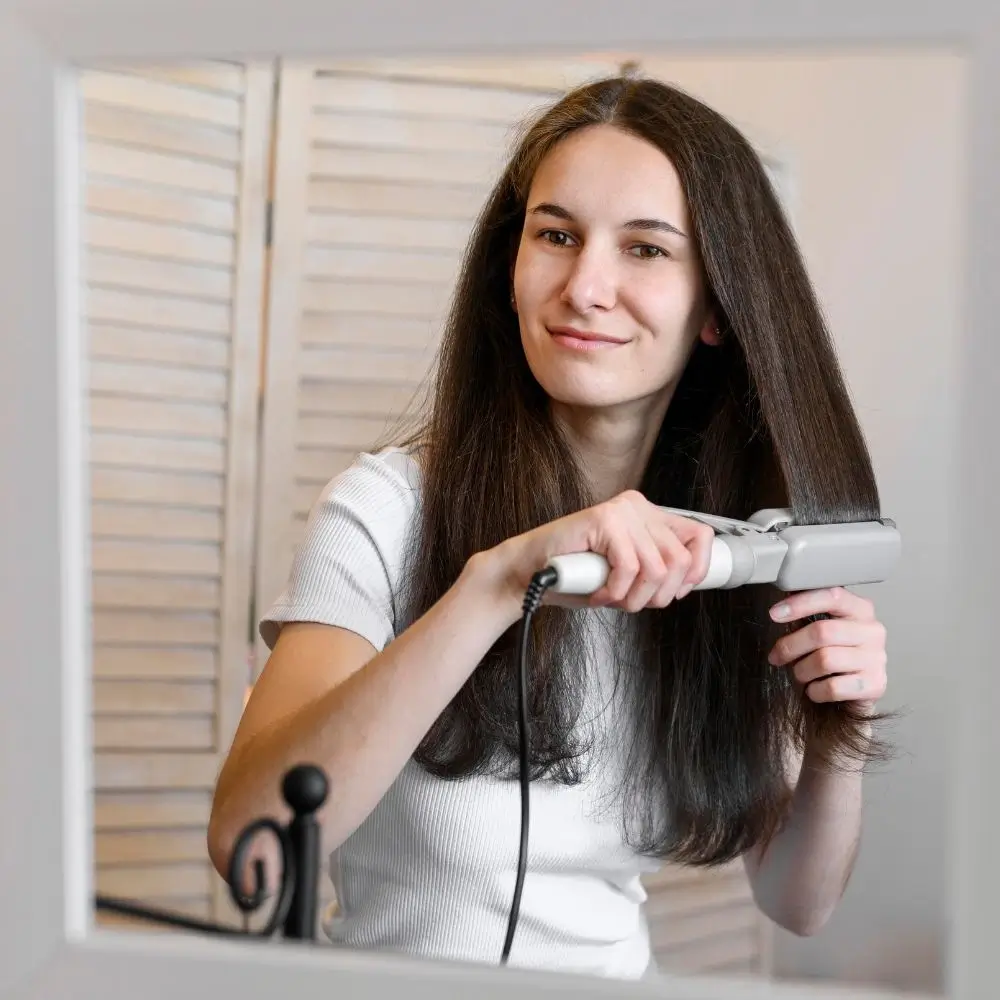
pixel 620 550
pixel 836 659
pixel 654 557
pixel 677 559
pixel 633 591
pixel 697 539
pixel 835 601
pixel 847 685
pixel 650 562
pixel 830 633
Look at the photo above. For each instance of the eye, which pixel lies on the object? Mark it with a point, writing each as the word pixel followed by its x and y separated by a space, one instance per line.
pixel 557 237
pixel 646 251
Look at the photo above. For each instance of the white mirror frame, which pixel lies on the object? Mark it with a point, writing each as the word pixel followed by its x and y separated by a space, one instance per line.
pixel 47 943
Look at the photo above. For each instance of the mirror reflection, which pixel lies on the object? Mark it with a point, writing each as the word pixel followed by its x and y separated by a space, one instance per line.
pixel 369 343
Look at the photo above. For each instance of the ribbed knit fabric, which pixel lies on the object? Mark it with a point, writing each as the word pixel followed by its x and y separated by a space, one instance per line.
pixel 431 871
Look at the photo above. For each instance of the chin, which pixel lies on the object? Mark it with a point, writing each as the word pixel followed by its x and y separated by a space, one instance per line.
pixel 588 382
pixel 584 393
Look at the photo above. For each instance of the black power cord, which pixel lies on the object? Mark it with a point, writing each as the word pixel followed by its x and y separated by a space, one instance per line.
pixel 540 582
pixel 305 790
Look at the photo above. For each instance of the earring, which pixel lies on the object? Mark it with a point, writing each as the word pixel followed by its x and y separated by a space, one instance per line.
pixel 710 336
pixel 513 301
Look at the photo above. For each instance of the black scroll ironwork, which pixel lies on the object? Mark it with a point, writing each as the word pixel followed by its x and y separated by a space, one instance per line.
pixel 305 789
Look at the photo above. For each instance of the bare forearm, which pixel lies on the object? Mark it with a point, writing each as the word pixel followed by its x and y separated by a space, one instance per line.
pixel 363 731
pixel 803 873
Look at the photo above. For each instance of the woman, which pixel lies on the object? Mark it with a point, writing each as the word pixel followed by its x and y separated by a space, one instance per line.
pixel 633 327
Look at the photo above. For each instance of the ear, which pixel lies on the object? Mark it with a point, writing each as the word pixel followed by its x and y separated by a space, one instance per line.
pixel 710 332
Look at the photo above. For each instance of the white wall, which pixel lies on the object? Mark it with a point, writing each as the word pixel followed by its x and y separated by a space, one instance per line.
pixel 875 143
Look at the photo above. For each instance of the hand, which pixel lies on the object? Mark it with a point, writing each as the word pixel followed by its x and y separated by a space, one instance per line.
pixel 842 658
pixel 654 557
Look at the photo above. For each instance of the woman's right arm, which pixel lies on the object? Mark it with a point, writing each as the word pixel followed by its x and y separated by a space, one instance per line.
pixel 326 696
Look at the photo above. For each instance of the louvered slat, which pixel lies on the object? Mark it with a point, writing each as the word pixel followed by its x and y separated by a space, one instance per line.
pixel 705 920
pixel 118 811
pixel 377 186
pixel 175 162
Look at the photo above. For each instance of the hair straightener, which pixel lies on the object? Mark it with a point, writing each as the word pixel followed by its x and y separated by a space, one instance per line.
pixel 768 548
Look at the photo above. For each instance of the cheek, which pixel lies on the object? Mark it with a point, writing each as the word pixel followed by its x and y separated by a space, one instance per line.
pixel 522 272
pixel 668 307
pixel 538 277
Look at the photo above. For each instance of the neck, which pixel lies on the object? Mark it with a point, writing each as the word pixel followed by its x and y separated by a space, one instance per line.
pixel 613 444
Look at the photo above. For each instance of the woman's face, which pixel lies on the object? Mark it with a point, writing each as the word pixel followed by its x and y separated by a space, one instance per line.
pixel 607 282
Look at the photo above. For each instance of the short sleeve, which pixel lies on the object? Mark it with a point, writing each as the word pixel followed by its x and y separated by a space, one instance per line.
pixel 347 571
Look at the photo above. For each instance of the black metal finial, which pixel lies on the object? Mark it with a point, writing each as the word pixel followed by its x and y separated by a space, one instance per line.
pixel 305 789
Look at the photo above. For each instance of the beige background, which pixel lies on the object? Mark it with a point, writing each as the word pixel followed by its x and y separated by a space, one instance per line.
pixel 875 143
pixel 189 325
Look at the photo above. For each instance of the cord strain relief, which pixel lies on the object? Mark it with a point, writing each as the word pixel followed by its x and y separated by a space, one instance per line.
pixel 540 582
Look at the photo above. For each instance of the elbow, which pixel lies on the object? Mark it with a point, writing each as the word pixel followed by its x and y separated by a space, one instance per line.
pixel 804 924
pixel 219 842
pixel 802 918
pixel 225 820
pixel 224 824
pixel 260 856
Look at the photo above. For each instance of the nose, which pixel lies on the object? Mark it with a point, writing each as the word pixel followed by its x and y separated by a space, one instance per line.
pixel 591 282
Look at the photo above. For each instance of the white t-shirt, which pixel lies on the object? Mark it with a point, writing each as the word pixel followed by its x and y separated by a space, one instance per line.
pixel 431 870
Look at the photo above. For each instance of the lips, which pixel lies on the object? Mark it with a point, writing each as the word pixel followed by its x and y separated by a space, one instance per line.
pixel 582 338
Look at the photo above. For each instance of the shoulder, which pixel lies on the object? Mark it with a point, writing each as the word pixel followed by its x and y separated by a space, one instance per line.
pixel 379 485
pixel 349 568
pixel 377 495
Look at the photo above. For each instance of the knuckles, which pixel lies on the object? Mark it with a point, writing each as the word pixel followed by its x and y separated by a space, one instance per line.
pixel 803 672
pixel 634 605
pixel 613 519
pixel 825 632
pixel 880 660
pixel 607 515
pixel 822 690
pixel 827 658
pixel 630 498
pixel 703 533
pixel 657 573
pixel 628 565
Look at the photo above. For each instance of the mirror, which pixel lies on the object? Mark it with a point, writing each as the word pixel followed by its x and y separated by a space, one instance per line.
pixel 269 254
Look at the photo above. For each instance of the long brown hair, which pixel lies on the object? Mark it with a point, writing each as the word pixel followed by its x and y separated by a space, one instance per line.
pixel 762 420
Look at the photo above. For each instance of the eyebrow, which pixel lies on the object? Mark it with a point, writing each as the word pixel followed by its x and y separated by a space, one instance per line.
pixel 647 225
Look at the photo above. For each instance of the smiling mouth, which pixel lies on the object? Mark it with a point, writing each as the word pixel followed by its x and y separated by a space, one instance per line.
pixel 582 340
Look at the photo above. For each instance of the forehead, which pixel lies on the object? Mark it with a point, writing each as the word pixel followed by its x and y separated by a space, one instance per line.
pixel 603 171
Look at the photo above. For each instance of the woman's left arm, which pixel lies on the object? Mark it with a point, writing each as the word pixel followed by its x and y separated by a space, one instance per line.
pixel 799 879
